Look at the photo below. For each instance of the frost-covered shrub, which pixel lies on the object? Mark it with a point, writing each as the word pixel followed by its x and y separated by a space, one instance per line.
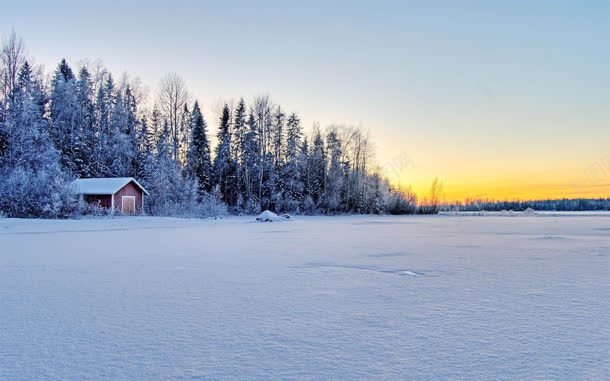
pixel 171 194
pixel 309 206
pixel 211 204
pixel 45 193
pixel 251 207
pixel 401 202
pixel 94 209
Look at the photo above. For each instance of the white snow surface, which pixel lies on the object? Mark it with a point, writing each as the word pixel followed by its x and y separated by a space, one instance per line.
pixel 355 297
pixel 103 185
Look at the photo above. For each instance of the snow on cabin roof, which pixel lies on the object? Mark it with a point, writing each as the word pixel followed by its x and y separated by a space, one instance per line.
pixel 106 185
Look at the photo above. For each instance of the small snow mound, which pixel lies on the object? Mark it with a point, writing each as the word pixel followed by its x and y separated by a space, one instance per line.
pixel 268 216
pixel 529 211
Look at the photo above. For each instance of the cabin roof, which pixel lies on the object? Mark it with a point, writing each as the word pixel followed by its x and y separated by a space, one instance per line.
pixel 104 185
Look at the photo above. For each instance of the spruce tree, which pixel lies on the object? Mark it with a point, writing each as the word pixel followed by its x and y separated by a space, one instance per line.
pixel 86 122
pixel 132 125
pixel 275 181
pixel 119 150
pixel 278 136
pixel 291 174
pixel 252 166
pixel 224 166
pixel 199 162
pixel 155 128
pixel 104 105
pixel 317 166
pixel 334 178
pixel 307 204
pixel 239 135
pixel 144 150
pixel 66 131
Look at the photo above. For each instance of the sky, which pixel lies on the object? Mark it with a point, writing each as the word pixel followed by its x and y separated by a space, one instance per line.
pixel 496 99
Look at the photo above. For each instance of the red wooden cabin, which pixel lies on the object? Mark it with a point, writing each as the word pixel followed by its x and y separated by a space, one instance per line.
pixel 118 194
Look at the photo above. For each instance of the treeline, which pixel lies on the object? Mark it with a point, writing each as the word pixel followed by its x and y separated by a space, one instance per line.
pixel 83 123
pixel 578 204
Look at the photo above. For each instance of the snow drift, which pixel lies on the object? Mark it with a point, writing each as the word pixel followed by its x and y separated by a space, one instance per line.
pixel 269 216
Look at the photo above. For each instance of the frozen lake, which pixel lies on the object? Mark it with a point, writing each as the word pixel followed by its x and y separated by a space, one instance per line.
pixel 438 297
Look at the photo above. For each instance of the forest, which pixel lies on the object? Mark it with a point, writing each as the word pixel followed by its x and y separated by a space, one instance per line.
pixel 565 204
pixel 81 122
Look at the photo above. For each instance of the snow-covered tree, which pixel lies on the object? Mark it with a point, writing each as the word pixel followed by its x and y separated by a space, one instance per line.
pixel 335 176
pixel 239 137
pixel 224 165
pixel 119 149
pixel 184 135
pixel 173 96
pixel 66 131
pixel 291 174
pixel 251 166
pixel 199 162
pixel 144 150
pixel 104 106
pixel 12 58
pixel 33 184
pixel 279 119
pixel 307 204
pixel 317 170
pixel 155 128
pixel 85 120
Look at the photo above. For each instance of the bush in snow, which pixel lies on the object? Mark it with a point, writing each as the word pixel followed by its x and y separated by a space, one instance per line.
pixel 401 202
pixel 94 209
pixel 210 204
pixel 309 206
pixel 171 194
pixel 45 194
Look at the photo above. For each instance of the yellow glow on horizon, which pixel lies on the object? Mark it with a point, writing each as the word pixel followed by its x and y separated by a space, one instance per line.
pixel 471 167
pixel 511 189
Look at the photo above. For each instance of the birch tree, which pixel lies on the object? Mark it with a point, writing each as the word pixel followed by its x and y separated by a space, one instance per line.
pixel 173 96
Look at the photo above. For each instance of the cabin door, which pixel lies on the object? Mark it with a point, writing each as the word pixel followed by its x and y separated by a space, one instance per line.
pixel 128 204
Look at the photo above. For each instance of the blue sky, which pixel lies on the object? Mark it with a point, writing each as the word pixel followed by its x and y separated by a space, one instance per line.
pixel 494 98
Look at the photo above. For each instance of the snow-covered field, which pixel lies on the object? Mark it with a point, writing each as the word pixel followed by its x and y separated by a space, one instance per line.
pixel 317 298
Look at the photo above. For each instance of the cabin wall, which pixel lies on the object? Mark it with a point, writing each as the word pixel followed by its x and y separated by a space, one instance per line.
pixel 128 190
